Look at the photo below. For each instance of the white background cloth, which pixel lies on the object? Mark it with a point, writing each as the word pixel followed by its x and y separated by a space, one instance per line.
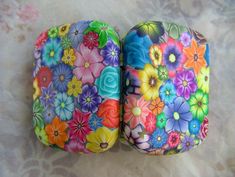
pixel 22 155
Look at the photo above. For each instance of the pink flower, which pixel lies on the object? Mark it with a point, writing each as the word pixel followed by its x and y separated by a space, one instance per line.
pixel 42 38
pixel 135 111
pixel 79 126
pixel 204 128
pixel 173 139
pixel 150 123
pixel 88 64
pixel 75 145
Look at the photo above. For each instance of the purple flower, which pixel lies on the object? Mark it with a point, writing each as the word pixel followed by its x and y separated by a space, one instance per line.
pixel 48 96
pixel 178 115
pixel 49 114
pixel 37 61
pixel 185 39
pixel 89 99
pixel 137 137
pixel 111 54
pixel 187 142
pixel 185 83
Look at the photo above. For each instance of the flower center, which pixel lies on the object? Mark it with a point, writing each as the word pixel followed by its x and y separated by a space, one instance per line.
pixel 62 105
pixel 172 58
pixel 195 57
pixel 187 143
pixel 167 92
pixel 176 116
pixel 79 126
pixel 52 53
pixel 47 96
pixel 185 83
pixel 194 126
pixel 104 145
pixel 136 111
pixel 113 53
pixel 44 78
pixel 90 38
pixel 76 32
pixel 104 28
pixel 206 78
pixel 61 77
pixel 156 55
pixel 159 138
pixel 63 28
pixel 86 64
pixel 152 81
pixel 88 99
pixel 56 133
pixel 199 103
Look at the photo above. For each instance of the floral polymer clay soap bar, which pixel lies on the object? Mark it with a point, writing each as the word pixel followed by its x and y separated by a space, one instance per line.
pixel 166 88
pixel 77 87
pixel 76 80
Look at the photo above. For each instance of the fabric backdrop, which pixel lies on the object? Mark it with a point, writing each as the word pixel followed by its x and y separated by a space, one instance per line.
pixel 22 155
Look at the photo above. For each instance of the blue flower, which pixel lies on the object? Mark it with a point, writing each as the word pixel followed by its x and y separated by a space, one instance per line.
pixel 48 95
pixel 62 74
pixel 52 52
pixel 158 138
pixel 95 122
pixel 194 126
pixel 108 83
pixel 136 50
pixel 178 115
pixel 187 142
pixel 207 55
pixel 64 106
pixel 49 114
pixel 167 92
pixel 76 32
pixel 111 54
pixel 89 100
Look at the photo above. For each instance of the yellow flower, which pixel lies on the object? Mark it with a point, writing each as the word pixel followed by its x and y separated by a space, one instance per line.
pixel 74 87
pixel 155 54
pixel 102 139
pixel 37 91
pixel 69 56
pixel 203 79
pixel 150 83
pixel 64 29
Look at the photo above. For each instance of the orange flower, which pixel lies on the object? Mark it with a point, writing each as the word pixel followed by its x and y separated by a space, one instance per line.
pixel 156 106
pixel 109 112
pixel 195 56
pixel 56 132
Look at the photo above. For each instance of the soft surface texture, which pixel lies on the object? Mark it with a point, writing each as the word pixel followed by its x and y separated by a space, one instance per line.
pixel 22 155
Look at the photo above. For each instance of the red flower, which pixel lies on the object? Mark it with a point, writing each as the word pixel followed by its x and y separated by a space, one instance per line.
pixel 109 112
pixel 44 76
pixel 41 39
pixel 204 128
pixel 90 40
pixel 150 123
pixel 173 139
pixel 78 126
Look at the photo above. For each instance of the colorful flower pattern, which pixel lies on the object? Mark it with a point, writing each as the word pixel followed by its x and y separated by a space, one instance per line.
pixel 77 90
pixel 167 100
pixel 76 81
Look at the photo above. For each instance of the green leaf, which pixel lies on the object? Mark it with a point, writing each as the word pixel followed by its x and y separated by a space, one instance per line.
pixel 113 35
pixel 102 39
